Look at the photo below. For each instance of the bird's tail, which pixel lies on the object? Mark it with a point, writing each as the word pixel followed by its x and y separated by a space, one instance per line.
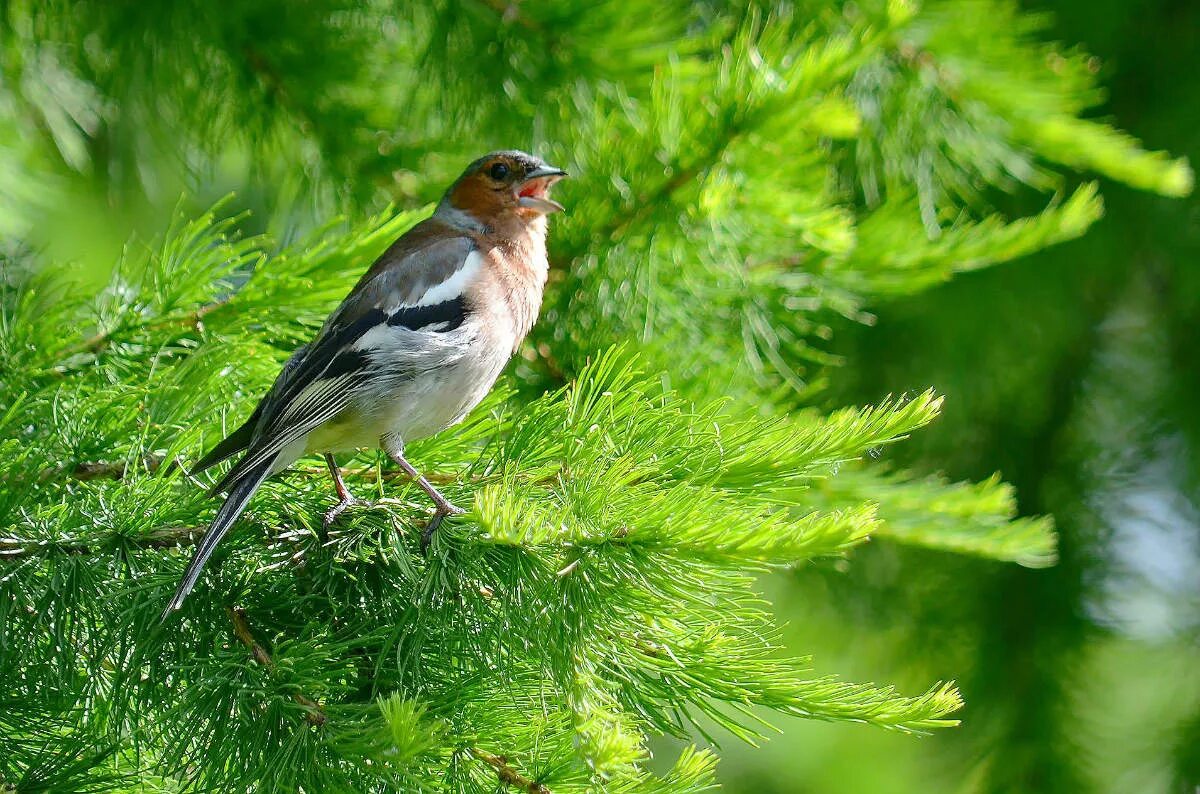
pixel 235 503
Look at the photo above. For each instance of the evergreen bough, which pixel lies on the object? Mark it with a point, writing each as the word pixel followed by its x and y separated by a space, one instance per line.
pixel 741 176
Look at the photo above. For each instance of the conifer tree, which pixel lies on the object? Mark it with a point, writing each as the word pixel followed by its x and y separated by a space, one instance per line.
pixel 741 176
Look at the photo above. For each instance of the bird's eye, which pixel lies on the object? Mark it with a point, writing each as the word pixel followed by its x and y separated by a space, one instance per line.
pixel 498 171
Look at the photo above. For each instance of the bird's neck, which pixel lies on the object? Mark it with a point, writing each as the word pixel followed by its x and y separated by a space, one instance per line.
pixel 509 225
pixel 457 218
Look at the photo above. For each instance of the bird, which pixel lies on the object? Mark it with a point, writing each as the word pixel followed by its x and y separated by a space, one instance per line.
pixel 415 345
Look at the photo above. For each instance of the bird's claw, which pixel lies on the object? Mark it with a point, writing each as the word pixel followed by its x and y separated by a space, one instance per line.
pixel 335 512
pixel 439 515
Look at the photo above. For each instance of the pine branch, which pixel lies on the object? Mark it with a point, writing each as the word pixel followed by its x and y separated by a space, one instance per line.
pixel 683 175
pixel 98 342
pixel 507 775
pixel 967 518
pixel 106 470
pixel 241 628
pixel 162 538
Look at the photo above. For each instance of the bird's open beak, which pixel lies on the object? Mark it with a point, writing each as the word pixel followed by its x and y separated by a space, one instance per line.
pixel 533 191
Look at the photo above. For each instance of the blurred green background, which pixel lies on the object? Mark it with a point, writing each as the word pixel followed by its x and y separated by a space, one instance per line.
pixel 1075 373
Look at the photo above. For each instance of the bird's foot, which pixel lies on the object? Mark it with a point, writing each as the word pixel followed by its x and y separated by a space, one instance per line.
pixel 335 512
pixel 444 509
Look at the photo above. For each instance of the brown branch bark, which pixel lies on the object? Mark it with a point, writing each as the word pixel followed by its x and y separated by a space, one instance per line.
pixel 241 629
pixel 507 775
pixel 103 470
pixel 435 477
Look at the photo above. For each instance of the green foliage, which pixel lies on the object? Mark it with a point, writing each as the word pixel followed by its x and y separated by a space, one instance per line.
pixel 968 518
pixel 742 177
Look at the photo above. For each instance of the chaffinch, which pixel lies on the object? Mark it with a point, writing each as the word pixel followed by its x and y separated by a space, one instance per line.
pixel 418 342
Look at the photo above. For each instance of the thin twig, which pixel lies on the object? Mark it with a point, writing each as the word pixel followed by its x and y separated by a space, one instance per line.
pixel 160 538
pixel 169 537
pixel 435 477
pixel 509 776
pixel 241 628
pixel 94 344
pixel 644 207
pixel 104 470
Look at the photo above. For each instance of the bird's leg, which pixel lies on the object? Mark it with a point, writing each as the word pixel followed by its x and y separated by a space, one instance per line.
pixel 345 498
pixel 444 508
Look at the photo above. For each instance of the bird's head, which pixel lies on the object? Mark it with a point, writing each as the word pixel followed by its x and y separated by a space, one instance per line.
pixel 503 191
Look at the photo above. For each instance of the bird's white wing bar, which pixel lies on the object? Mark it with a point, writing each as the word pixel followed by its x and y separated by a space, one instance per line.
pixel 453 287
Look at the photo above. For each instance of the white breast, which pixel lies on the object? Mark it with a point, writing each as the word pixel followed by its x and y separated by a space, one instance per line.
pixel 429 381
